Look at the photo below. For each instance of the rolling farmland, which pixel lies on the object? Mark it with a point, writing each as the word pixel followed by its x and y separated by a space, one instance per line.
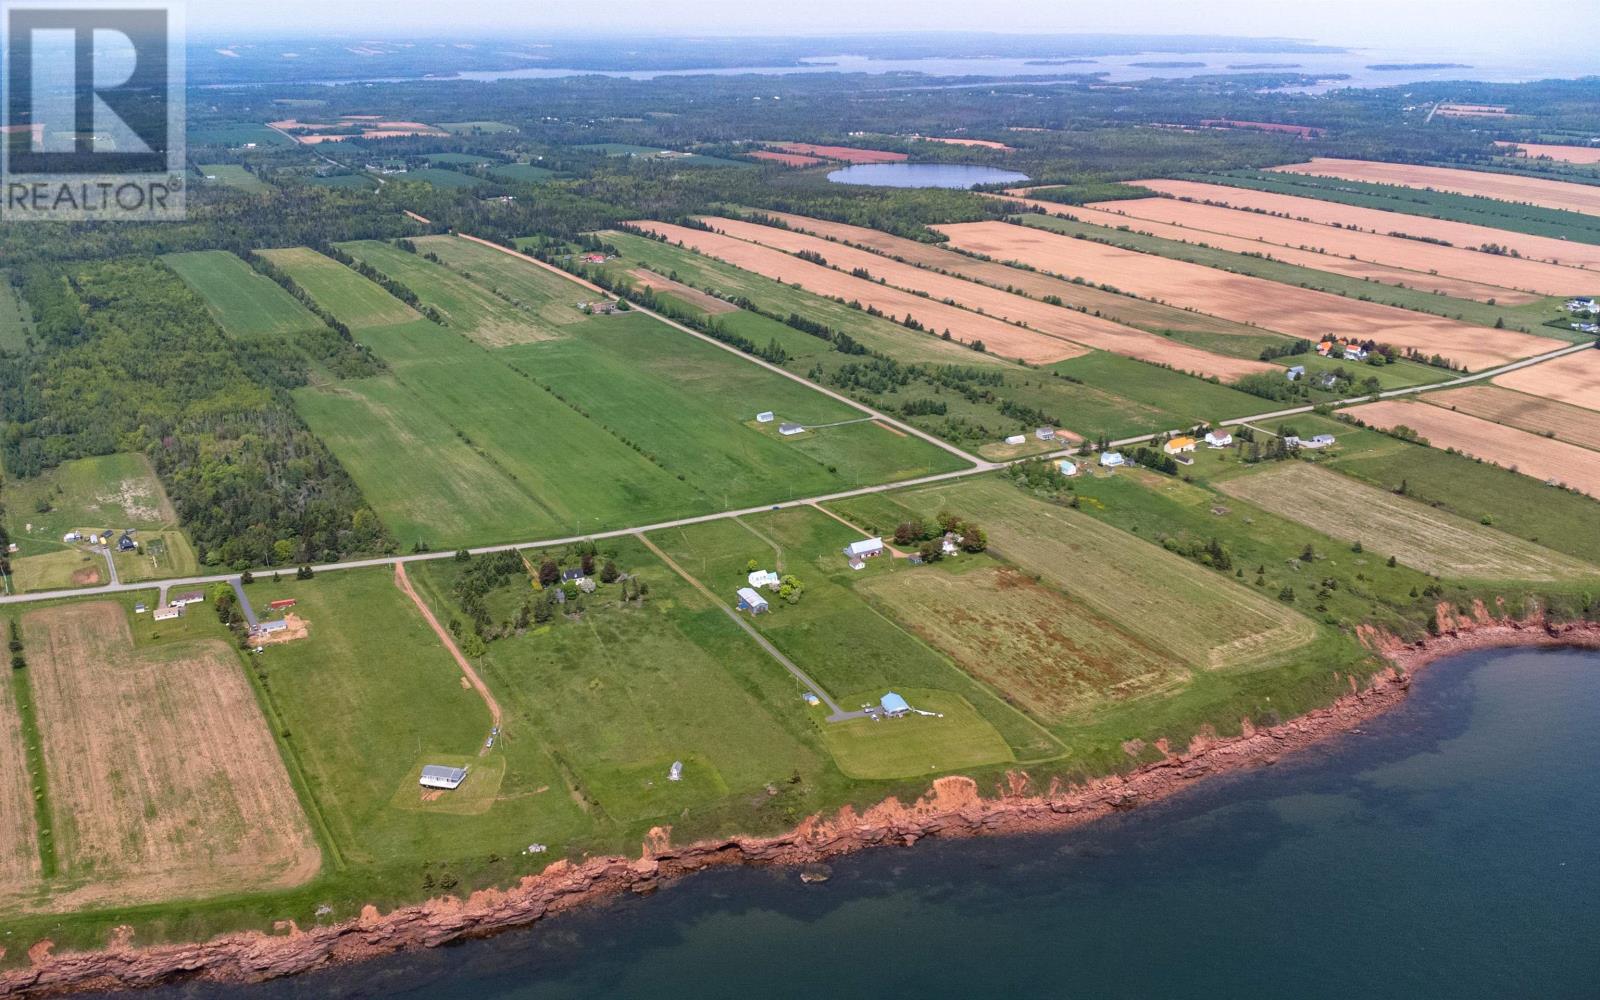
pixel 1295 311
pixel 1547 151
pixel 165 782
pixel 1053 320
pixel 243 301
pixel 968 327
pixel 1432 541
pixel 1518 409
pixel 1582 198
pixel 352 298
pixel 1573 378
pixel 1376 220
pixel 1530 454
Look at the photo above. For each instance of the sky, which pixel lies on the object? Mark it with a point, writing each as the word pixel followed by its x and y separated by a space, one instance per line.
pixel 1544 26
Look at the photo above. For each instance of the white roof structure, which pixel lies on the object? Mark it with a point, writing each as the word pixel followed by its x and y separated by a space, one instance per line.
pixel 865 547
pixel 788 429
pixel 765 416
pixel 764 578
pixel 752 601
pixel 1045 433
pixel 440 776
pixel 1067 466
pixel 1017 439
pixel 1111 459
pixel 1219 439
pixel 169 612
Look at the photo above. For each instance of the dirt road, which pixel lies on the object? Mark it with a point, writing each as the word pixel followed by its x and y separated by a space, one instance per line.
pixel 404 583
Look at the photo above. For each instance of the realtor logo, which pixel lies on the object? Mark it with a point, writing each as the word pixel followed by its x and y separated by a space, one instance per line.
pixel 92 113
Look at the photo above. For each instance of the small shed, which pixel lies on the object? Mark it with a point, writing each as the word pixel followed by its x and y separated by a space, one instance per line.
pixel 1111 459
pixel 765 417
pixel 440 776
pixel 1067 467
pixel 751 601
pixel 894 706
pixel 140 608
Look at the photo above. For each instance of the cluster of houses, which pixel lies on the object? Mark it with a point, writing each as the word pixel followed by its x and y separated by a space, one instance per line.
pixel 124 542
pixel 1347 349
pixel 1589 305
pixel 750 598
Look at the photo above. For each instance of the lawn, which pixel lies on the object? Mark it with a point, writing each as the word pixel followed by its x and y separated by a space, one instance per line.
pixel 956 737
pixel 16 323
pixel 352 298
pixel 232 175
pixel 833 633
pixel 1436 542
pixel 161 554
pixel 243 301
pixel 59 570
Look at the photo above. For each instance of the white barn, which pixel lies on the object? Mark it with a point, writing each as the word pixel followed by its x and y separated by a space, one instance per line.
pixel 866 548
pixel 751 601
pixel 440 776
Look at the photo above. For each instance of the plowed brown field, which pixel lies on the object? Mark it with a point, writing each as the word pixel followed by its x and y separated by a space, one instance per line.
pixel 1051 319
pixel 1118 308
pixel 1561 154
pixel 999 338
pixel 848 154
pixel 164 780
pixel 1532 455
pixel 787 159
pixel 1373 220
pixel 1506 187
pixel 1328 249
pixel 1287 309
pixel 1518 409
pixel 1573 378
pixel 687 294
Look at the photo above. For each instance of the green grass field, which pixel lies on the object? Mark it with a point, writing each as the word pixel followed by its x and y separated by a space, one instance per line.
pixel 16 322
pixel 551 299
pixel 352 298
pixel 60 569
pixel 466 305
pixel 459 159
pixel 1183 400
pixel 477 128
pixel 232 175
pixel 236 135
pixel 440 177
pixel 832 633
pixel 243 301
pixel 660 153
pixel 524 172
pixel 916 745
pixel 1526 316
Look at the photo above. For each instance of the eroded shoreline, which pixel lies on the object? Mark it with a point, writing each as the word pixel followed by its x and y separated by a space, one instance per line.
pixel 952 807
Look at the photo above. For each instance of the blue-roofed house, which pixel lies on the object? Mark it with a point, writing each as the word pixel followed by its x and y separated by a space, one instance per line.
pixel 893 705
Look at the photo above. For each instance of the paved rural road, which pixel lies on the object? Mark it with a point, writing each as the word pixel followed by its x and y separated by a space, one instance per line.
pixel 836 714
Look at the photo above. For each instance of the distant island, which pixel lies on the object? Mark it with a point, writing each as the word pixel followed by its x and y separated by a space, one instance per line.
pixel 1167 65
pixel 1391 67
pixel 1057 62
pixel 1264 65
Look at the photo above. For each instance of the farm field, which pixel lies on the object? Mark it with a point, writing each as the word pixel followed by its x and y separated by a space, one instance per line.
pixel 1561 154
pixel 550 298
pixel 1435 542
pixel 967 327
pixel 1141 313
pixel 685 295
pixel 1131 582
pixel 847 154
pixel 1530 454
pixel 1574 379
pixel 19 844
pixel 1051 654
pixel 244 302
pixel 673 679
pixel 1569 197
pixel 358 738
pixel 1411 262
pixel 16 325
pixel 352 298
pixel 236 134
pixel 465 305
pixel 523 172
pixel 1068 324
pixel 787 159
pixel 1182 401
pixel 832 616
pixel 232 175
pixel 1296 311
pixel 1534 414
pixel 164 778
pixel 1570 253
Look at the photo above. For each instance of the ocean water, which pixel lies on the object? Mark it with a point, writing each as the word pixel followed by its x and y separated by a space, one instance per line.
pixel 1449 849
pixel 924 175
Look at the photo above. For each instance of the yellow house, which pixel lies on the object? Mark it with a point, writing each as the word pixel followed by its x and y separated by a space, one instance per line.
pixel 1178 445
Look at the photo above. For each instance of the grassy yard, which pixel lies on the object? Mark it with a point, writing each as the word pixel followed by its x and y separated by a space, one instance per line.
pixel 243 301
pixel 916 745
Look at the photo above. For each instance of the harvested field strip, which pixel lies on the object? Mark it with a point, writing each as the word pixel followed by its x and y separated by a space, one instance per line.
pixel 1051 654
pixel 848 154
pixel 1043 317
pixel 19 845
pixel 164 779
pixel 1561 154
pixel 1375 220
pixel 1297 311
pixel 1432 541
pixel 1142 313
pixel 1529 454
pixel 1583 198
pixel 1545 417
pixel 1344 267
pixel 1390 259
pixel 1572 378
pixel 341 291
pixel 787 159
pixel 936 317
pixel 689 296
pixel 1194 613
pixel 243 301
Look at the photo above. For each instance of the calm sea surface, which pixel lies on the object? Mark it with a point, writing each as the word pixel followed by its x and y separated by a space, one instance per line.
pixel 1450 849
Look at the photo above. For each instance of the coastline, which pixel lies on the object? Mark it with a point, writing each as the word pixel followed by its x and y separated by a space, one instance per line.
pixel 953 806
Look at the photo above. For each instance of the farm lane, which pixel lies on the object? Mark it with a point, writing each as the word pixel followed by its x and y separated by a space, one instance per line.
pixel 404 583
pixel 978 469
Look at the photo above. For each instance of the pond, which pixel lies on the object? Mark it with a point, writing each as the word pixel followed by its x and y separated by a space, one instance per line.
pixel 924 175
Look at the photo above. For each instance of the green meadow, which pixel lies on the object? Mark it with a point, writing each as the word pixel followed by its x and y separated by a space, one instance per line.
pixel 525 172
pixel 232 175
pixel 346 294
pixel 243 301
